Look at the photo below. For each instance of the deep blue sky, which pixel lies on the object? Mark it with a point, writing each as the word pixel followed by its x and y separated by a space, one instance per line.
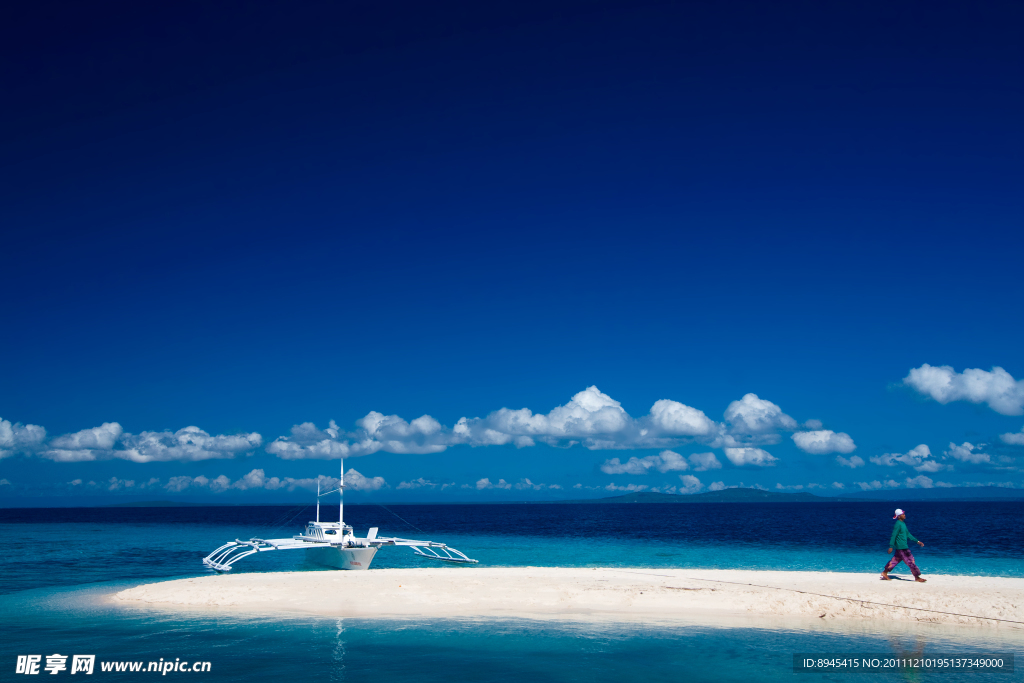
pixel 248 216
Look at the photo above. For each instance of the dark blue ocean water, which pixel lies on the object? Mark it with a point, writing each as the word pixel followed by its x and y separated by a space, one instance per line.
pixel 58 564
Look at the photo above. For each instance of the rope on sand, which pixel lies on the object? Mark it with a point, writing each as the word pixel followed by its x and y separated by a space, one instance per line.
pixel 834 597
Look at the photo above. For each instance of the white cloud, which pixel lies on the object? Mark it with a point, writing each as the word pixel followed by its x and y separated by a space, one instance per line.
pixel 1015 439
pixel 416 484
pixel 968 452
pixel 357 482
pixel 666 461
pixel 702 462
pixel 716 486
pixel 16 437
pixel 628 487
pixel 753 415
pixel 4 482
pixel 308 442
pixel 257 479
pixel 109 441
pixel 116 484
pixel 824 441
pixel 852 462
pixel 485 483
pixel 676 419
pixel 691 484
pixel 916 457
pixel 875 485
pixel 932 466
pixel 189 444
pixel 178 484
pixel 997 388
pixel 98 438
pixel 527 485
pixel 838 485
pixel 793 487
pixel 750 456
pixel 920 481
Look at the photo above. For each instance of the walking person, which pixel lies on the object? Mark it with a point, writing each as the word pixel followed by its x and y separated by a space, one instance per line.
pixel 900 536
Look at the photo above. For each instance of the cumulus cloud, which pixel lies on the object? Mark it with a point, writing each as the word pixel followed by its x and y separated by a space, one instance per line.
pixel 673 418
pixel 527 485
pixel 920 481
pixel 416 484
pixel 485 484
pixel 932 466
pixel 875 485
pixel 916 457
pixel 257 479
pixel 967 452
pixel 628 487
pixel 997 387
pixel 357 482
pixel 702 462
pixel 716 486
pixel 187 445
pixel 753 415
pixel 691 484
pixel 110 441
pixel 824 441
pixel 16 437
pixel 98 438
pixel 1014 439
pixel 306 441
pixel 750 456
pixel 838 485
pixel 666 461
pixel 852 462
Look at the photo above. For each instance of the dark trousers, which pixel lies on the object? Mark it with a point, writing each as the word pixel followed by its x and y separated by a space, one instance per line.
pixel 903 555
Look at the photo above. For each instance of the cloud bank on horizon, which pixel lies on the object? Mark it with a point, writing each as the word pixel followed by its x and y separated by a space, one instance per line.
pixel 591 419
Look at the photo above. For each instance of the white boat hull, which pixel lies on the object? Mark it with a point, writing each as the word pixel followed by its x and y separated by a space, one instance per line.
pixel 342 558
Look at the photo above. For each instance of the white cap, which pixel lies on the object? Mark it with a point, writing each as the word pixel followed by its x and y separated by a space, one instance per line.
pixel 898 513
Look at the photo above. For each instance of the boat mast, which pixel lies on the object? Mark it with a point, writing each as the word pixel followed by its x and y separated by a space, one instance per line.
pixel 341 505
pixel 318 500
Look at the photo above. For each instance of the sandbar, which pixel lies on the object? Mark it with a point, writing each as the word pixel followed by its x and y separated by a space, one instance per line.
pixel 610 593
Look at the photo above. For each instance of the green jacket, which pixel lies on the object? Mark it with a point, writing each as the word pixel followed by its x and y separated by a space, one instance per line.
pixel 900 536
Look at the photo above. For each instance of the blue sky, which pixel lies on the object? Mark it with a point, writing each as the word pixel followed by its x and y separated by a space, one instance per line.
pixel 247 219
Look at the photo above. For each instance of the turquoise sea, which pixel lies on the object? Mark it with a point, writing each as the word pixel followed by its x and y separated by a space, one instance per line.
pixel 59 565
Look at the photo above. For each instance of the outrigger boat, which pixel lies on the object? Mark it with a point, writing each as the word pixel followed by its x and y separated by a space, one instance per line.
pixel 331 543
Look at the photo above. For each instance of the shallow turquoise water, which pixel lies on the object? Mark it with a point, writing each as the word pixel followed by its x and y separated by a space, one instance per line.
pixel 77 621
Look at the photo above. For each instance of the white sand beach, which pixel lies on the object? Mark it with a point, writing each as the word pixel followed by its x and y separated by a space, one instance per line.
pixel 547 592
